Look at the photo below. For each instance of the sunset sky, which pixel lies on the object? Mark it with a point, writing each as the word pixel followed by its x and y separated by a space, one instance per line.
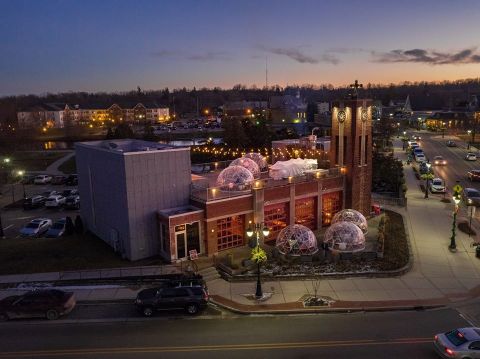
pixel 117 45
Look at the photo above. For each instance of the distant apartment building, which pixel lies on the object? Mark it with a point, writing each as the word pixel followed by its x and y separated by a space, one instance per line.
pixel 450 120
pixel 288 109
pixel 60 115
pixel 323 107
pixel 242 109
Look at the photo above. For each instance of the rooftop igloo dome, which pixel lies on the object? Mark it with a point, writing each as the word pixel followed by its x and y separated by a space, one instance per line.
pixel 258 159
pixel 296 240
pixel 248 164
pixel 351 215
pixel 235 178
pixel 344 237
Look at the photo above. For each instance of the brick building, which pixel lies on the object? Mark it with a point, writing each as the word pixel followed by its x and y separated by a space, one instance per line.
pixel 174 213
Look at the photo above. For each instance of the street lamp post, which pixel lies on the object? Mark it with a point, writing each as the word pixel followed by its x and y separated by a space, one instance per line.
pixel 404 140
pixel 443 129
pixel 398 128
pixel 427 177
pixel 453 245
pixel 20 174
pixel 468 141
pixel 258 229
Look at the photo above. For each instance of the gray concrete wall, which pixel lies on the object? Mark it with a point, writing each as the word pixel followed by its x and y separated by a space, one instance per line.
pixel 121 193
pixel 101 182
pixel 154 181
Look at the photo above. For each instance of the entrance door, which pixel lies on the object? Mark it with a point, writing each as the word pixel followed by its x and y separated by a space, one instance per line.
pixel 181 248
pixel 193 237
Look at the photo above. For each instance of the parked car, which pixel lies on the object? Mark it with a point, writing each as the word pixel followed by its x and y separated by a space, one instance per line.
pixel 57 229
pixel 49 193
pixel 36 227
pixel 55 201
pixel 34 202
pixel 417 150
pixel 414 145
pixel 420 157
pixel 69 192
pixel 439 161
pixel 458 343
pixel 437 185
pixel 470 156
pixel 59 180
pixel 28 179
pixel 72 202
pixel 471 197
pixel 72 180
pixel 42 179
pixel 44 303
pixel 473 175
pixel 192 299
pixel 451 144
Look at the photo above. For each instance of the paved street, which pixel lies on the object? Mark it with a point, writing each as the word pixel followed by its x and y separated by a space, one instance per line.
pixel 359 335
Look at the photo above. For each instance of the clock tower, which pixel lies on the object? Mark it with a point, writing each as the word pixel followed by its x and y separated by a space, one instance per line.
pixel 351 149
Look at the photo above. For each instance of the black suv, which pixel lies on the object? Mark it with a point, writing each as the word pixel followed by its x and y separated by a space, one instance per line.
pixel 192 299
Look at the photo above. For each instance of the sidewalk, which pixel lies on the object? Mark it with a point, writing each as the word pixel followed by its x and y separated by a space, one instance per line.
pixel 437 277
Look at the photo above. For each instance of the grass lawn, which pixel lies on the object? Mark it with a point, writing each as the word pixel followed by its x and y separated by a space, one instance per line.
pixel 34 161
pixel 74 252
pixel 69 166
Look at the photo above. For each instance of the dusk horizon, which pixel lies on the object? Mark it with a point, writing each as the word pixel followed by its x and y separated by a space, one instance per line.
pixel 65 46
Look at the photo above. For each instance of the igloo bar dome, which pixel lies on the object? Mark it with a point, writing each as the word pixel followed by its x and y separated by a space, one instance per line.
pixel 296 240
pixel 353 216
pixel 235 178
pixel 344 237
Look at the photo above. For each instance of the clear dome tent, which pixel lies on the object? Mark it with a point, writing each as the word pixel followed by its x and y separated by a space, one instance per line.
pixel 235 178
pixel 296 240
pixel 353 216
pixel 344 237
pixel 258 159
pixel 248 164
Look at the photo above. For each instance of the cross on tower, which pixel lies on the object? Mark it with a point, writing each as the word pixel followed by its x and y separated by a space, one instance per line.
pixel 355 86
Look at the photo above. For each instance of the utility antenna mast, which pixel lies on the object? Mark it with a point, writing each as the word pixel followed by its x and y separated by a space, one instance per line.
pixel 266 72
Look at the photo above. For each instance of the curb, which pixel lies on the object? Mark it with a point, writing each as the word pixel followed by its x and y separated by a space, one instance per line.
pixel 330 310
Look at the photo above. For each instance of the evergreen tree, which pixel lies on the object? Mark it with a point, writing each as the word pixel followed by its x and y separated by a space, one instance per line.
pixel 78 225
pixel 69 227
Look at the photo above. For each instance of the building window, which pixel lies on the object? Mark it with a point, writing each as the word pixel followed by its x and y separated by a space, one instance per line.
pixel 276 219
pixel 230 232
pixel 332 203
pixel 305 210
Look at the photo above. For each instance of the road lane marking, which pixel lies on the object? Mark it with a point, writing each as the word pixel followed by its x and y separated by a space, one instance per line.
pixel 220 347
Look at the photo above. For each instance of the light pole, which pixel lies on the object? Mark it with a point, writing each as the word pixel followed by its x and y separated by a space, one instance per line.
pixel 20 174
pixel 258 254
pixel 468 141
pixel 404 140
pixel 453 245
pixel 427 178
pixel 443 129
pixel 398 128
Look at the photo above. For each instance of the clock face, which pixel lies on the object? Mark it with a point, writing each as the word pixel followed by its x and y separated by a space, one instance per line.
pixel 341 116
pixel 364 115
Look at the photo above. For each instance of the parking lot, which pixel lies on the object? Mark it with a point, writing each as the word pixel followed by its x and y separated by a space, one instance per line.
pixel 13 219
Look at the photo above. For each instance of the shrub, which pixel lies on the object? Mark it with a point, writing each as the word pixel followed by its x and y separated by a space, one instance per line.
pixel 396 252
